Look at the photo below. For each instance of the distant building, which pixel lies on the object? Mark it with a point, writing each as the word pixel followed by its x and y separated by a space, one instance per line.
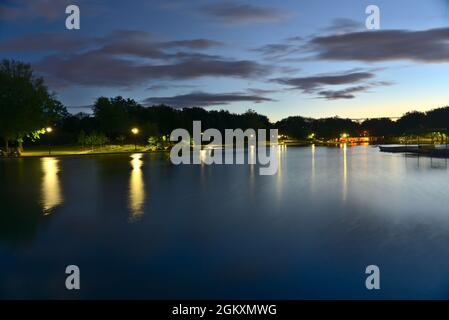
pixel 355 139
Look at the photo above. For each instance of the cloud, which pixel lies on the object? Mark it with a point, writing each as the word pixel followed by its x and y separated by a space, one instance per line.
pixel 261 91
pixel 343 25
pixel 294 39
pixel 134 42
pixel 277 50
pixel 45 9
pixel 45 42
pixel 347 44
pixel 311 84
pixel 203 99
pixel 166 86
pixel 239 13
pixel 49 9
pixel 297 45
pixel 192 44
pixel 320 84
pixel 427 46
pixel 347 93
pixel 142 44
pixel 125 58
pixel 99 69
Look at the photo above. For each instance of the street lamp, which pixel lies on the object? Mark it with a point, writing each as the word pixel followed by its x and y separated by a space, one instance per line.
pixel 49 130
pixel 135 132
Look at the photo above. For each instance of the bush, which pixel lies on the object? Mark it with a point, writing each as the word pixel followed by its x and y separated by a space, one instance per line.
pixel 158 143
pixel 92 139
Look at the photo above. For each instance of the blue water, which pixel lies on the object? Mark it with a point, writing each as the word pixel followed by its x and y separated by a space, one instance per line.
pixel 141 227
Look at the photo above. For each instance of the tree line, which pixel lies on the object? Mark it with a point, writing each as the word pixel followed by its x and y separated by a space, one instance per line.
pixel 27 108
pixel 414 123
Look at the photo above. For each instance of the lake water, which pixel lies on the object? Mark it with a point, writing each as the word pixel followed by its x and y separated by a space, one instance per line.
pixel 140 227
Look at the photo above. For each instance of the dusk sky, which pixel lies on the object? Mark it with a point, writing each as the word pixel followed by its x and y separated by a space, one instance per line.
pixel 280 58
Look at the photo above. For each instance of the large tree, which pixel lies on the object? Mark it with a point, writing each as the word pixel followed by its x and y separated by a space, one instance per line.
pixel 295 127
pixel 379 127
pixel 112 115
pixel 413 122
pixel 24 102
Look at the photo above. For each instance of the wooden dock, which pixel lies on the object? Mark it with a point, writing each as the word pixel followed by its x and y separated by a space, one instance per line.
pixel 425 150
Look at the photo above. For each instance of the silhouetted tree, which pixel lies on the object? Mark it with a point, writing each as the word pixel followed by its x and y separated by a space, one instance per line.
pixel 438 118
pixel 329 128
pixel 412 123
pixel 295 127
pixel 112 115
pixel 25 103
pixel 379 127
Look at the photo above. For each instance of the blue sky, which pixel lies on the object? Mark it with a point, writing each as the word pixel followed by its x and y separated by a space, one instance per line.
pixel 311 57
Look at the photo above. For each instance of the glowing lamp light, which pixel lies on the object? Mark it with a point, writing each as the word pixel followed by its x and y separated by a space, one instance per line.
pixel 135 131
pixel 49 130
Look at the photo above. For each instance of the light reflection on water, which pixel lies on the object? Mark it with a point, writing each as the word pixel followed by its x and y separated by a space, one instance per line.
pixel 281 155
pixel 312 174
pixel 345 172
pixel 51 187
pixel 136 188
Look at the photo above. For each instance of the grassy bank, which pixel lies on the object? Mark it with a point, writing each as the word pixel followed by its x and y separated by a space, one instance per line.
pixel 41 151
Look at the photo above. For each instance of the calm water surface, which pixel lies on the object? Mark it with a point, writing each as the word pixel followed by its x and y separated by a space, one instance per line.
pixel 140 227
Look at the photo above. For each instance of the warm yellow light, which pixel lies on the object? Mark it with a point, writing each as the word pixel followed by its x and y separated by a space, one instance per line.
pixel 51 187
pixel 345 135
pixel 135 130
pixel 49 129
pixel 136 188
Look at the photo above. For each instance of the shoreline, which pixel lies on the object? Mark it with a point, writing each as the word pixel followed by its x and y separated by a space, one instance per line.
pixel 85 154
pixel 60 151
